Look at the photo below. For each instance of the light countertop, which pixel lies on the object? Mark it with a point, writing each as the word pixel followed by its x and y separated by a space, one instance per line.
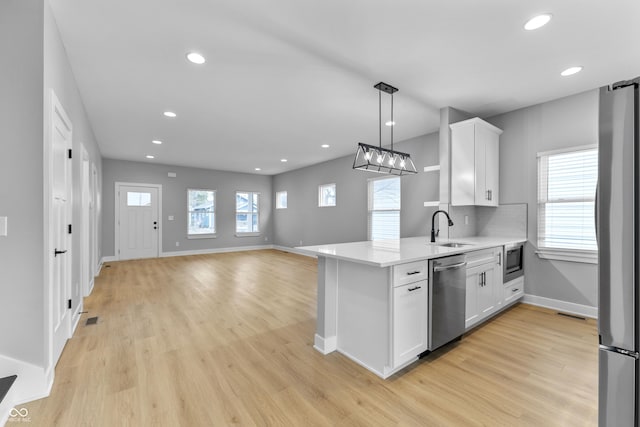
pixel 385 253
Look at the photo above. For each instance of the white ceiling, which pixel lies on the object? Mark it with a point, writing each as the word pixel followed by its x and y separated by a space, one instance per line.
pixel 283 77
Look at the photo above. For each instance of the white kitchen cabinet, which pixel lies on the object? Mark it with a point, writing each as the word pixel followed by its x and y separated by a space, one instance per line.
pixel 409 321
pixel 474 163
pixel 513 290
pixel 485 293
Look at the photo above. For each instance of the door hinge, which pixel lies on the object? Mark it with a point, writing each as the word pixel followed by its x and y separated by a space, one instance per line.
pixel 70 151
pixel 69 304
pixel 69 228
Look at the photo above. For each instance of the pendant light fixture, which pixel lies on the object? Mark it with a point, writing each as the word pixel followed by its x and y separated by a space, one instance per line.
pixel 379 159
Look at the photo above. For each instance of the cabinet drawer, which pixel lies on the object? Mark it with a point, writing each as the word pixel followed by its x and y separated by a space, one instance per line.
pixel 410 272
pixel 513 290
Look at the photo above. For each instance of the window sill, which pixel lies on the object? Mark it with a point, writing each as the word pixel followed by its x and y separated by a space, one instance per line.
pixel 202 236
pixel 247 234
pixel 571 255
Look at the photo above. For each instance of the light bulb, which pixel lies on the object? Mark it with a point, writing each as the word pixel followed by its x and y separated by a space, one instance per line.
pixel 380 158
pixel 392 161
pixel 402 163
pixel 367 155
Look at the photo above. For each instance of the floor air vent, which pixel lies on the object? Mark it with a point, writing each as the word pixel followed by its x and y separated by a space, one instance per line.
pixel 92 321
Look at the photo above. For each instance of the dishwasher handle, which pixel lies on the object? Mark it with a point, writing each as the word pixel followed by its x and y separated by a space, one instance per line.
pixel 449 267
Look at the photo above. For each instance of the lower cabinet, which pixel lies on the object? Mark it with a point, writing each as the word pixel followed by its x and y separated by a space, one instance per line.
pixel 513 290
pixel 409 321
pixel 484 285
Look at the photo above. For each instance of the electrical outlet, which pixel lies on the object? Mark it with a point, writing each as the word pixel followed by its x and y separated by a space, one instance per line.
pixel 466 220
pixel 300 242
pixel 177 243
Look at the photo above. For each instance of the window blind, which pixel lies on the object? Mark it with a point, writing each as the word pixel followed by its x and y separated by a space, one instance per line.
pixel 384 208
pixel 566 199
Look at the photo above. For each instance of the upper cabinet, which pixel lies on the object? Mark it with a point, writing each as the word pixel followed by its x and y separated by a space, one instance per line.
pixel 474 163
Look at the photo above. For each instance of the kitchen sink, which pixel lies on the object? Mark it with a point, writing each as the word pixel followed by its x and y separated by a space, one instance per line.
pixel 454 244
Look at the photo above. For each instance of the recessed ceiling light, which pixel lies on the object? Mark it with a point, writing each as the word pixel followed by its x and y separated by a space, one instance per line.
pixel 390 123
pixel 537 21
pixel 196 58
pixel 325 146
pixel 170 114
pixel 157 141
pixel 150 156
pixel 570 71
pixel 283 160
pixel 258 169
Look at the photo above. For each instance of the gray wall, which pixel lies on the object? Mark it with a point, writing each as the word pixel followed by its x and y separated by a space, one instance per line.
pixel 174 202
pixel 304 223
pixel 565 122
pixel 21 192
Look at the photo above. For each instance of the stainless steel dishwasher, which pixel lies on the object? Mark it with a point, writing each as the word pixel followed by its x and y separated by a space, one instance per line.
pixel 447 295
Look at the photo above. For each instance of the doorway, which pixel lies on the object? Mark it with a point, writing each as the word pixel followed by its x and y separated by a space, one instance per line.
pixel 137 220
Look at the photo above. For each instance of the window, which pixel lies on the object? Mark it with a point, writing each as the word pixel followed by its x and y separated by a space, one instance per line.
pixel 247 213
pixel 138 199
pixel 566 200
pixel 384 208
pixel 326 195
pixel 281 200
pixel 202 213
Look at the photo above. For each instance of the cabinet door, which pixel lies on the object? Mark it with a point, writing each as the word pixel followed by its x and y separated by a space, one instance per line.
pixel 486 292
pixel 409 321
pixel 462 165
pixel 472 315
pixel 486 164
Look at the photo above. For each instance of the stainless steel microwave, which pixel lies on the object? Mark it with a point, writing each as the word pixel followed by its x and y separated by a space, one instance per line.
pixel 513 261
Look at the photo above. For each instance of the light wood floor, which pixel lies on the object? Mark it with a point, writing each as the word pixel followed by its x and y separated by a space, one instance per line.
pixel 227 339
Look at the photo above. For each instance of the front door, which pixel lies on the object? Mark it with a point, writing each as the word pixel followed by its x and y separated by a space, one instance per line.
pixel 138 221
pixel 60 250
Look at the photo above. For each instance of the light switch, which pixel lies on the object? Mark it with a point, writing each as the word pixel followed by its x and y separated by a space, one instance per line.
pixel 171 174
pixel 3 225
pixel 170 217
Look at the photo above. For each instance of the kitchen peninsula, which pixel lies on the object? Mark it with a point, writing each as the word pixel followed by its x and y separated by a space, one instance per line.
pixel 373 296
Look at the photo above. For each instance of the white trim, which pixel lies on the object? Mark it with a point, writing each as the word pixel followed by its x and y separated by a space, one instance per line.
pixel 215 215
pixel 563 306
pixel 325 345
pixel 294 251
pixel 110 258
pixel 248 234
pixel 202 236
pixel 335 187
pixel 33 382
pixel 215 251
pixel 433 168
pixel 567 150
pixel 588 257
pixel 116 225
pixel 432 203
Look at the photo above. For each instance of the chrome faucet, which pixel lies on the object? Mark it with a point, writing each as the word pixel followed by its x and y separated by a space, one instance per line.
pixel 433 231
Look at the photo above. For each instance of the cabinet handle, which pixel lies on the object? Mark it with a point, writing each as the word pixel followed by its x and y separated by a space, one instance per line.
pixel 514 290
pixel 486 196
pixel 499 258
pixel 414 289
pixel 411 273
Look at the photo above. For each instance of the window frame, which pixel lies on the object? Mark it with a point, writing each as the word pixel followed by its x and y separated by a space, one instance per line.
pixel 370 210
pixel 320 199
pixel 286 199
pixel 215 216
pixel 250 212
pixel 588 256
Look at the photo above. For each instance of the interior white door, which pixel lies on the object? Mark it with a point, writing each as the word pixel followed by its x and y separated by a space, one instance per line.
pixel 60 252
pixel 138 222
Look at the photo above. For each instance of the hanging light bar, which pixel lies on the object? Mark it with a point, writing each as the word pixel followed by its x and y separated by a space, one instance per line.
pixel 379 159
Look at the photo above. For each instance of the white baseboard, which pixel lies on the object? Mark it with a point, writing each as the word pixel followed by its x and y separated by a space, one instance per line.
pixel 215 251
pixel 325 345
pixel 34 382
pixel 109 258
pixel 562 306
pixel 293 251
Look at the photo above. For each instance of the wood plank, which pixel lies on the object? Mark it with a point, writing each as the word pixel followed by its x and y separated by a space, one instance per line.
pixel 227 339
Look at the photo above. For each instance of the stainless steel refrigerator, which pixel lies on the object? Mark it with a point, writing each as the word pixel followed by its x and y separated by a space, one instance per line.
pixel 618 232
